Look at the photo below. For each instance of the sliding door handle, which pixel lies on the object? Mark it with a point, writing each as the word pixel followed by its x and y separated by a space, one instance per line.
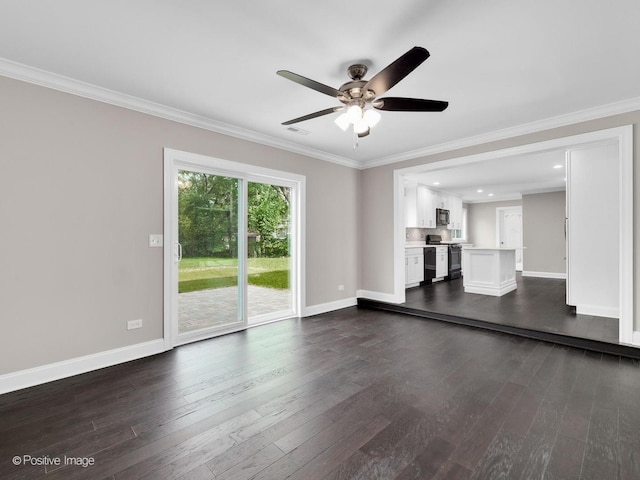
pixel 178 251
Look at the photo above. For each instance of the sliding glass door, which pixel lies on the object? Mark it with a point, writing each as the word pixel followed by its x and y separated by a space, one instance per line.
pixel 230 248
pixel 268 251
pixel 208 231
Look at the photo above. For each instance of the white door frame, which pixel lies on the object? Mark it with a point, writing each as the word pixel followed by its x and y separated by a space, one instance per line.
pixel 500 211
pixel 622 135
pixel 175 159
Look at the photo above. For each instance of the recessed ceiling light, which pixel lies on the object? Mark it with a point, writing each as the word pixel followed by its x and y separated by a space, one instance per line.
pixel 491 194
pixel 557 166
pixel 479 190
pixel 436 183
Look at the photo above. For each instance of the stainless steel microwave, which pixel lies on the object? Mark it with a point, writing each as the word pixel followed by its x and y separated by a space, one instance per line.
pixel 442 216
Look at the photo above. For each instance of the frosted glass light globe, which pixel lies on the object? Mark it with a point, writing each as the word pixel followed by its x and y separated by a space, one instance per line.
pixel 354 113
pixel 371 117
pixel 343 122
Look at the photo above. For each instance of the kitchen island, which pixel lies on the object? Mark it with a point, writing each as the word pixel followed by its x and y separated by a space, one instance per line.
pixel 489 271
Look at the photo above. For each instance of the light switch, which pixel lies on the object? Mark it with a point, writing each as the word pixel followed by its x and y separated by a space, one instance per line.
pixel 155 240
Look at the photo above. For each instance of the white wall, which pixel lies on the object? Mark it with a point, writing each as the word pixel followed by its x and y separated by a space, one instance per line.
pixel 81 188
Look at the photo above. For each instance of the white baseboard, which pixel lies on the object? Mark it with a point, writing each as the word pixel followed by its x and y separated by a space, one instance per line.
pixel 55 371
pixel 379 296
pixel 544 274
pixel 490 290
pixel 598 311
pixel 329 306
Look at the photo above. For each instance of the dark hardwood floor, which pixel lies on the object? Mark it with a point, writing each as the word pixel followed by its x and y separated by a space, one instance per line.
pixel 354 394
pixel 537 304
pixel 536 309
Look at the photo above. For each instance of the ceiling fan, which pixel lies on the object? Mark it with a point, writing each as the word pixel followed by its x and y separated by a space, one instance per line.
pixel 360 97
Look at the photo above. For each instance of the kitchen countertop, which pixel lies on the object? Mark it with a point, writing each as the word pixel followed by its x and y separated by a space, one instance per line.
pixel 423 245
pixel 495 248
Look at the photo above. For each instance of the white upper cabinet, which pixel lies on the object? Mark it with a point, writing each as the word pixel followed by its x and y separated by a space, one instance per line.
pixel 455 213
pixel 419 207
pixel 442 200
pixel 411 205
pixel 426 207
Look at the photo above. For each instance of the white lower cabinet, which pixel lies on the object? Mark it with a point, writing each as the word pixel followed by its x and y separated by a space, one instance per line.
pixel 442 258
pixel 414 266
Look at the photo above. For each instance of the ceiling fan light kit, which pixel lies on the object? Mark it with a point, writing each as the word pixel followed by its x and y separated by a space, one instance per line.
pixel 361 119
pixel 359 97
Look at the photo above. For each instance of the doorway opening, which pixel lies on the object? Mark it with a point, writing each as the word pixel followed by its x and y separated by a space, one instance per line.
pixel 623 138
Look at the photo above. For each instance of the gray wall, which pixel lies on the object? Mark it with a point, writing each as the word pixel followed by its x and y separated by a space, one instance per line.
pixel 542 229
pixel 81 188
pixel 481 221
pixel 543 217
pixel 377 256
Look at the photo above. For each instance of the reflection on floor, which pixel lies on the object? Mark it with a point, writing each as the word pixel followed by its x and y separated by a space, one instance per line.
pixel 536 309
pixel 537 304
pixel 219 306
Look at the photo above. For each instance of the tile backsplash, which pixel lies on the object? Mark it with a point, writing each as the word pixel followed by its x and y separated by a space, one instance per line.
pixel 419 235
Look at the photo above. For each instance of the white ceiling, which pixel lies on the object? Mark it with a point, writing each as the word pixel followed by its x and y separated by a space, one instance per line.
pixel 505 178
pixel 499 63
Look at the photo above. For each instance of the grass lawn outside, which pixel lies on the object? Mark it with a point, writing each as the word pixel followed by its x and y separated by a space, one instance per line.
pixel 208 272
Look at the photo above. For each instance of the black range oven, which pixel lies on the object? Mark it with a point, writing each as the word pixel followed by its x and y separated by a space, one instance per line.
pixel 454 260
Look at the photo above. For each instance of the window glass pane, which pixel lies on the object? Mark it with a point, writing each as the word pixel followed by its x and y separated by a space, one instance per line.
pixel 268 251
pixel 208 293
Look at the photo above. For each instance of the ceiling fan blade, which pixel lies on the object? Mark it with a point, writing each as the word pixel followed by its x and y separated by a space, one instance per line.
pixel 399 104
pixel 313 115
pixel 397 70
pixel 307 82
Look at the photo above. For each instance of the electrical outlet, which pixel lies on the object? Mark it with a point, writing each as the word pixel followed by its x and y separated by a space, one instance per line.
pixel 340 287
pixel 132 324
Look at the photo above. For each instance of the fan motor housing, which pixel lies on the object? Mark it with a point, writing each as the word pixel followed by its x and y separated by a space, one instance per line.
pixel 353 89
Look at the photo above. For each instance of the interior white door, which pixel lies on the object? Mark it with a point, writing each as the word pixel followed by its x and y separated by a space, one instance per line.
pixel 510 231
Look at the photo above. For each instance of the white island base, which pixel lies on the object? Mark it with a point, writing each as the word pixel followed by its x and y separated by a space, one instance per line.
pixel 489 271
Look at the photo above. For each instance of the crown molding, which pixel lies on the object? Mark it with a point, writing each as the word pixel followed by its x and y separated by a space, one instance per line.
pixel 61 83
pixel 588 114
